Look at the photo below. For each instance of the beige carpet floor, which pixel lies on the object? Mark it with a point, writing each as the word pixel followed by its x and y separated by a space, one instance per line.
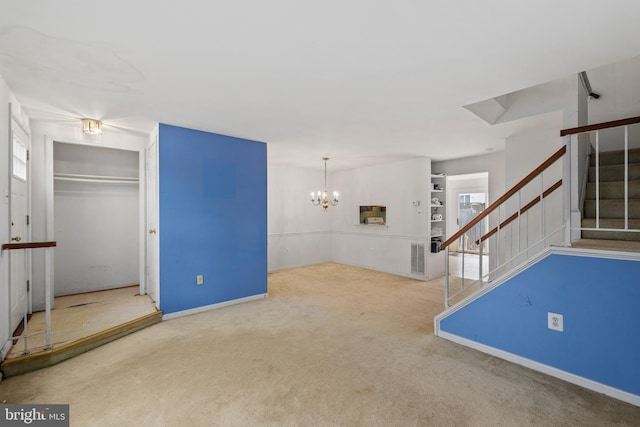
pixel 331 346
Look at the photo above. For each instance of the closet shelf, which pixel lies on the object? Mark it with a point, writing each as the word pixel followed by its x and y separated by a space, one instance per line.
pixel 96 178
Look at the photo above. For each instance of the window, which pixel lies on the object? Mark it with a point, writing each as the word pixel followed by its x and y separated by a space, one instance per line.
pixel 19 159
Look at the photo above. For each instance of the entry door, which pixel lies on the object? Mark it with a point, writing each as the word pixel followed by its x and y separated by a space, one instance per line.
pixel 152 223
pixel 19 232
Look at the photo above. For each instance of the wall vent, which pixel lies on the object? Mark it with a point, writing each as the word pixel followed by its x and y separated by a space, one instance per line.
pixel 417 258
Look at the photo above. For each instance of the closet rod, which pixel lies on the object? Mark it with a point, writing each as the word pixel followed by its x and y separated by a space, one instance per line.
pixel 95 178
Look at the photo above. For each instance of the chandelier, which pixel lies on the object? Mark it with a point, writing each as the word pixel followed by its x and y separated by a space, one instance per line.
pixel 321 198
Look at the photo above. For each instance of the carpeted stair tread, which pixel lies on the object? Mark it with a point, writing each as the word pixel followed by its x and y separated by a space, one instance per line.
pixel 633 224
pixel 611 223
pixel 615 157
pixel 613 190
pixel 611 195
pixel 612 245
pixel 615 173
pixel 624 236
pixel 612 208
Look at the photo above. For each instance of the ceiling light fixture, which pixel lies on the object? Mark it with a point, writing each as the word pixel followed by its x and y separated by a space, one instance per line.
pixel 91 126
pixel 322 198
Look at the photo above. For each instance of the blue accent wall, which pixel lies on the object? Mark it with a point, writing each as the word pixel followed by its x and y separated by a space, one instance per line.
pixel 599 299
pixel 213 218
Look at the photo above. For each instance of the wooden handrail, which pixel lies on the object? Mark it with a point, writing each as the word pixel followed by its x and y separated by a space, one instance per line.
pixel 506 196
pixel 520 212
pixel 599 126
pixel 28 245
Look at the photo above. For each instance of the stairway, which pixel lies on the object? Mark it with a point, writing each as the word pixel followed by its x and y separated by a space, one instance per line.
pixel 612 196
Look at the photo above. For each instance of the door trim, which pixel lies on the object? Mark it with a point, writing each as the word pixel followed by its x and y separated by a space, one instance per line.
pixel 49 197
pixel 15 121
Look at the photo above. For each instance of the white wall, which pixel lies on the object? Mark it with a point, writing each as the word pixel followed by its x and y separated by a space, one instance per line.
pixel 396 186
pixel 43 135
pixel 298 233
pixel 618 86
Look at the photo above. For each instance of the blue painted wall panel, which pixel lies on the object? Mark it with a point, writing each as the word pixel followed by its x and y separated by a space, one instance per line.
pixel 213 218
pixel 600 301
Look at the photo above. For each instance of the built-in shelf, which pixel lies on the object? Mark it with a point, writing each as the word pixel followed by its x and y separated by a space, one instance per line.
pixel 437 209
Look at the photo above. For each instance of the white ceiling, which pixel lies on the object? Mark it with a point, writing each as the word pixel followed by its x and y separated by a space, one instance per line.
pixel 360 81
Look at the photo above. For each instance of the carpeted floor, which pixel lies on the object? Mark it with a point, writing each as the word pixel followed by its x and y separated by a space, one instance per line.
pixel 332 345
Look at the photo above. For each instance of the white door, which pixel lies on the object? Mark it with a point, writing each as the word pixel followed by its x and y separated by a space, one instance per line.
pixel 152 223
pixel 19 233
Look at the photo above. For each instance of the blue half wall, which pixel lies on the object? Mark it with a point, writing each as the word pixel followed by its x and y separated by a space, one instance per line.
pixel 213 218
pixel 599 299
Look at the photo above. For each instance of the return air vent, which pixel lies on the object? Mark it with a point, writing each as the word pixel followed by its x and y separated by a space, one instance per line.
pixel 417 258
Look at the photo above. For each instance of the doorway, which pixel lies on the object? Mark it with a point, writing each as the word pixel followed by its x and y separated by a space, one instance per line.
pixel 19 292
pixel 96 217
pixel 469 193
pixel 470 205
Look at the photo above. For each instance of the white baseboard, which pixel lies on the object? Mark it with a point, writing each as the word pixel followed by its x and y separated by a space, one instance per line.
pixel 213 306
pixel 545 369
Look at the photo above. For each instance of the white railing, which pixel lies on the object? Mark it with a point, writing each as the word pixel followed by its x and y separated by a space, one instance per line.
pixel 533 215
pixel 25 335
pixel 528 217
pixel 589 143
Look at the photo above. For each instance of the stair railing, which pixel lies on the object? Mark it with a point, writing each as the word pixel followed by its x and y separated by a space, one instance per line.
pixel 597 141
pixel 48 246
pixel 518 229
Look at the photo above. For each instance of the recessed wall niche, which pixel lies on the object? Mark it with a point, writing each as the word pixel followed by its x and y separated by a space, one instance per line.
pixel 373 215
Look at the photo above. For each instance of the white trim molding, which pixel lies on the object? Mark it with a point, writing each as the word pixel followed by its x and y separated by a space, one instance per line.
pixel 213 306
pixel 546 369
pixel 523 361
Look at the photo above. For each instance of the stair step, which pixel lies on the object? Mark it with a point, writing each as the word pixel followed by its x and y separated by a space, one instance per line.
pixel 613 190
pixel 615 157
pixel 610 245
pixel 612 208
pixel 625 236
pixel 634 224
pixel 611 235
pixel 615 173
pixel 43 359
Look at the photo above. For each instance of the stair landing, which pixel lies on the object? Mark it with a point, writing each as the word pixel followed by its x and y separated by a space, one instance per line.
pixel 80 323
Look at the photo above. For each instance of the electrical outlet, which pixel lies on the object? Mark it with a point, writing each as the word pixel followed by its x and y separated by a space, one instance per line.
pixel 555 322
pixel 199 279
